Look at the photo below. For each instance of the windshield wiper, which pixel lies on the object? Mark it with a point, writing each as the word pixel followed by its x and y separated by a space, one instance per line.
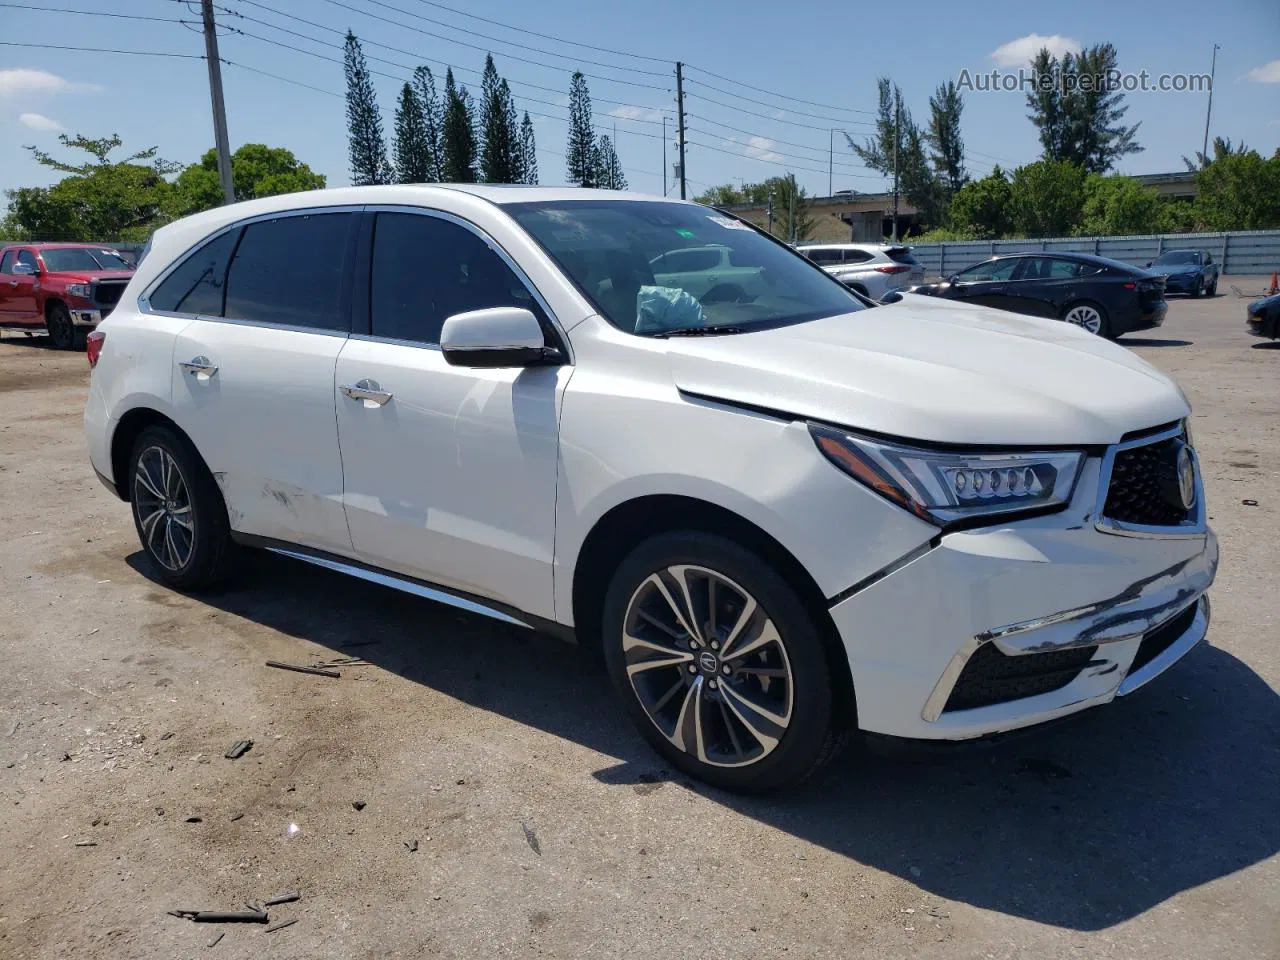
pixel 698 331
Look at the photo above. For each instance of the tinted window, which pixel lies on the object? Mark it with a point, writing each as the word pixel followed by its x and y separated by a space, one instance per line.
pixel 426 269
pixel 290 271
pixel 991 270
pixel 900 255
pixel 824 256
pixel 197 285
pixel 857 256
pixel 6 261
pixel 68 259
pixel 1048 268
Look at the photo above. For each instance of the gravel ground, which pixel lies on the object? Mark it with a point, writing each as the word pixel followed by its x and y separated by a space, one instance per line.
pixel 542 824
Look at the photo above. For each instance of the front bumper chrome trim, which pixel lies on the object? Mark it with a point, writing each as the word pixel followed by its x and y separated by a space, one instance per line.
pixel 1176 651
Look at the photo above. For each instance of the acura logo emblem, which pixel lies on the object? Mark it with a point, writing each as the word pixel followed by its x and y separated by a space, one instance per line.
pixel 1186 478
pixel 708 661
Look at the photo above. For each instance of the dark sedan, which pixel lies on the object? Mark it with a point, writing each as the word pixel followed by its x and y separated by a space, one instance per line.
pixel 1103 296
pixel 1264 317
pixel 1191 272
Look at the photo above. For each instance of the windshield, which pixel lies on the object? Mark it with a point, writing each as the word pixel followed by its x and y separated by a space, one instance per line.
pixel 651 267
pixel 69 259
pixel 1177 256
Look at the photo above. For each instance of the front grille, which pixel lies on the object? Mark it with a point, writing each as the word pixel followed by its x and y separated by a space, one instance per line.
pixel 1163 637
pixel 992 677
pixel 107 293
pixel 1141 480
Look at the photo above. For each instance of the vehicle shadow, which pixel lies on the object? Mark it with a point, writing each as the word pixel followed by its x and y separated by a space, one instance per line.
pixel 1269 345
pixel 1082 825
pixel 1151 342
pixel 19 338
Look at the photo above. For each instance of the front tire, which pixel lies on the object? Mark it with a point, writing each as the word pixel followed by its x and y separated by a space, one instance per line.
pixel 62 332
pixel 1089 316
pixel 721 666
pixel 1198 290
pixel 178 511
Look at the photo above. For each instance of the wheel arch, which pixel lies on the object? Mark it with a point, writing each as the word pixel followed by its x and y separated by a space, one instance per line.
pixel 627 525
pixel 126 434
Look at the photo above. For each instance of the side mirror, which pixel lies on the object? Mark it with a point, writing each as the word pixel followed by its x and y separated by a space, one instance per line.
pixel 893 296
pixel 23 270
pixel 954 278
pixel 1148 263
pixel 496 337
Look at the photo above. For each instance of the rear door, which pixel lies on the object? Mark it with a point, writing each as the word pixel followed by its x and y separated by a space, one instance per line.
pixel 253 375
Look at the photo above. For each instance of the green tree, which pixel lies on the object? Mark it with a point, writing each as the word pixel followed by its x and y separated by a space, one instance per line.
pixel 528 152
pixel 722 196
pixel 981 209
pixel 581 150
pixel 256 171
pixel 1221 147
pixel 896 133
pixel 1239 192
pixel 366 148
pixel 424 85
pixel 791 219
pixel 1046 198
pixel 412 148
pixel 1078 107
pixel 458 140
pixel 100 200
pixel 609 173
pixel 499 156
pixel 946 147
pixel 1117 206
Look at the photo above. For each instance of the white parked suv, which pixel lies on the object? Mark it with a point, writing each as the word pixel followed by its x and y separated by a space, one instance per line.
pixel 872 269
pixel 783 515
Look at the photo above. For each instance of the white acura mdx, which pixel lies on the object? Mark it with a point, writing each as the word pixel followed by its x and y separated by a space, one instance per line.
pixel 782 514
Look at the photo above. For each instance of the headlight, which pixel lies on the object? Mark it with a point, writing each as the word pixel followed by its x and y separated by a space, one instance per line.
pixel 80 290
pixel 944 487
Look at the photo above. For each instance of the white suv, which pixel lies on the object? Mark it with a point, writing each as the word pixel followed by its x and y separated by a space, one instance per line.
pixel 872 269
pixel 782 514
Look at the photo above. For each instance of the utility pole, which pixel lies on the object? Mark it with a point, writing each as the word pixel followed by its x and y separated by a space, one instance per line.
pixel 1208 112
pixel 791 215
pixel 769 211
pixel 831 134
pixel 679 120
pixel 897 120
pixel 664 154
pixel 220 138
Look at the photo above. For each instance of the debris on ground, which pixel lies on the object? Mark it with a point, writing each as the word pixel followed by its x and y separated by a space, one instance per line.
pixel 221 916
pixel 1250 503
pixel 358 804
pixel 287 897
pixel 167 736
pixel 238 749
pixel 299 668
pixel 213 941
pixel 281 925
pixel 531 837
pixel 86 843
pixel 236 816
pixel 411 846
pixel 195 818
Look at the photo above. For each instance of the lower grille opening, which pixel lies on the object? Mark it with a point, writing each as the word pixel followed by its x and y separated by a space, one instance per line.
pixel 992 677
pixel 1163 637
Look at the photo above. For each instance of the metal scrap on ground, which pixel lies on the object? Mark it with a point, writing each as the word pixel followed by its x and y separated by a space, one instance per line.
pixel 238 749
pixel 280 898
pixel 298 668
pixel 531 837
pixel 281 925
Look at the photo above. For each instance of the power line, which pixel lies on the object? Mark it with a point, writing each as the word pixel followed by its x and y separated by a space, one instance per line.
pixel 131 53
pixel 765 116
pixel 773 140
pixel 777 106
pixel 776 163
pixel 780 96
pixel 769 149
pixel 407 53
pixel 276 76
pixel 91 13
pixel 463 43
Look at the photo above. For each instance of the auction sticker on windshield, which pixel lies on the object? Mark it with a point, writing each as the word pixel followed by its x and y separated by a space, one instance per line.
pixel 729 224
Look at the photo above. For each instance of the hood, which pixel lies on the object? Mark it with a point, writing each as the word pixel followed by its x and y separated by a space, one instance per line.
pixel 1172 269
pixel 90 276
pixel 936 370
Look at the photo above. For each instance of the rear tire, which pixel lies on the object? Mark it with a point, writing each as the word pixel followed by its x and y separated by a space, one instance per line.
pixel 178 511
pixel 677 611
pixel 1089 316
pixel 62 332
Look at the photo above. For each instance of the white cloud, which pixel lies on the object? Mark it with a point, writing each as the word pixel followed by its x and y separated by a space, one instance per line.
pixel 1017 53
pixel 636 113
pixel 19 80
pixel 1267 73
pixel 759 148
pixel 37 121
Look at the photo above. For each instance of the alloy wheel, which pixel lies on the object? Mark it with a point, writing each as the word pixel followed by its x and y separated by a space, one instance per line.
pixel 708 666
pixel 1085 316
pixel 163 505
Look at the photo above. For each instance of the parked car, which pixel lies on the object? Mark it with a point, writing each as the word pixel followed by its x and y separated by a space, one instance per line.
pixel 872 269
pixel 1264 317
pixel 783 516
pixel 1105 297
pixel 1187 271
pixel 699 270
pixel 62 288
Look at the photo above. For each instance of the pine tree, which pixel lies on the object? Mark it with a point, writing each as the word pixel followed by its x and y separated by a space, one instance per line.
pixel 367 150
pixel 498 159
pixel 528 152
pixel 424 85
pixel 581 150
pixel 458 140
pixel 609 173
pixel 945 144
pixel 412 151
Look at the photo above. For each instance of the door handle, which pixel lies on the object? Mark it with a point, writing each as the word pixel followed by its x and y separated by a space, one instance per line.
pixel 367 391
pixel 13 283
pixel 198 366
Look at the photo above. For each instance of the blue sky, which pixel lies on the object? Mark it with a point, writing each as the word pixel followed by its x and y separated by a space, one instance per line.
pixel 818 64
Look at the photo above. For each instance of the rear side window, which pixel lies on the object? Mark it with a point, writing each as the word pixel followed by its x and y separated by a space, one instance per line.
pixel 687 261
pixel 6 261
pixel 290 271
pixel 824 256
pixel 198 283
pixel 900 255
pixel 426 269
pixel 856 256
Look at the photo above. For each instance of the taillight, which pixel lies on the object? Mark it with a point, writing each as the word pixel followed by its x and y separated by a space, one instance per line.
pixel 1131 286
pixel 893 269
pixel 93 347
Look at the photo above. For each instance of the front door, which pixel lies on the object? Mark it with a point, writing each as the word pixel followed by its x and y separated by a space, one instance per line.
pixel 449 472
pixel 18 279
pixel 253 377
pixel 985 283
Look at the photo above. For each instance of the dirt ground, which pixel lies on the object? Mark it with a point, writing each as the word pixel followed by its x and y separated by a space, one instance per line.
pixel 543 825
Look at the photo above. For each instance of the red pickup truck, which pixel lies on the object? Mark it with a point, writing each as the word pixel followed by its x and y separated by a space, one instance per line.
pixel 63 288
